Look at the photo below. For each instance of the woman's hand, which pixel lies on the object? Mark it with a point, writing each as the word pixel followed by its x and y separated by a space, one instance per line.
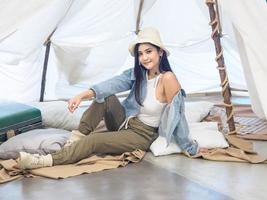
pixel 203 150
pixel 73 103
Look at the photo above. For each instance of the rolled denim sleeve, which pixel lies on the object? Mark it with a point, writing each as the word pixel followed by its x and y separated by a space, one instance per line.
pixel 181 137
pixel 120 83
pixel 181 131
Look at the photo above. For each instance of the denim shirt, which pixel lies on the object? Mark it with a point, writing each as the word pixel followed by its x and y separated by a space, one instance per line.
pixel 173 123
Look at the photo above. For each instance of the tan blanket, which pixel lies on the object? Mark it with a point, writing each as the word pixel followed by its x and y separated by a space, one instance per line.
pixel 8 171
pixel 262 137
pixel 240 150
pixel 94 163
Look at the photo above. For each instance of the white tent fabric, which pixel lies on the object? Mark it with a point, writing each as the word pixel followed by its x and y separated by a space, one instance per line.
pixel 249 21
pixel 21 47
pixel 92 37
pixel 9 23
pixel 92 34
pixel 84 43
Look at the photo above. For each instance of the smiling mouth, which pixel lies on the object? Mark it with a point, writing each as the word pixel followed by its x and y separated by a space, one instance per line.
pixel 147 63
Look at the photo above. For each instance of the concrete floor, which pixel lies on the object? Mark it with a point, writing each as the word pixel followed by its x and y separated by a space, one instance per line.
pixel 137 181
pixel 236 180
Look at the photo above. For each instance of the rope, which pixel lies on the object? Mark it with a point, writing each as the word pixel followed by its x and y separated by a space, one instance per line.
pixel 216 28
pixel 224 84
pixel 219 55
pixel 217 58
pixel 210 1
pixel 220 68
pixel 229 106
pixel 230 116
pixel 232 132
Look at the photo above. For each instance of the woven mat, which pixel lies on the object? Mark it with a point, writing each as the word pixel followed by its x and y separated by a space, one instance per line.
pixel 248 126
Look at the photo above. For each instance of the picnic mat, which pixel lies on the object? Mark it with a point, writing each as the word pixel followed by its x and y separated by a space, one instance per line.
pixel 250 125
pixel 9 171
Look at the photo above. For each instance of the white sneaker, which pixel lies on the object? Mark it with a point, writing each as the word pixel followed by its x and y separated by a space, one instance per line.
pixel 33 161
pixel 75 136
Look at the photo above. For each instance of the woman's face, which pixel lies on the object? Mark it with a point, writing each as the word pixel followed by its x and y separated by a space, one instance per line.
pixel 149 56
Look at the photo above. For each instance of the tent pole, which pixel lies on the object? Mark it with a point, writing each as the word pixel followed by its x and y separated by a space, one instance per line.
pixel 226 92
pixel 47 50
pixel 137 26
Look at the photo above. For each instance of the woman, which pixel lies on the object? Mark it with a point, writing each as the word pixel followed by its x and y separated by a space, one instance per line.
pixel 135 124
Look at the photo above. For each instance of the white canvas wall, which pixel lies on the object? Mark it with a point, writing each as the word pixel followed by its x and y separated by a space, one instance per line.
pixel 92 37
pixel 249 21
pixel 186 35
pixel 21 45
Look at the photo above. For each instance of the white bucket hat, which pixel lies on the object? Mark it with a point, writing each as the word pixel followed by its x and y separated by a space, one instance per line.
pixel 148 35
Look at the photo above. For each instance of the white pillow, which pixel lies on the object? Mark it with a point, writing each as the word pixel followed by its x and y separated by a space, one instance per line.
pixel 205 133
pixel 159 147
pixel 41 141
pixel 55 114
pixel 196 111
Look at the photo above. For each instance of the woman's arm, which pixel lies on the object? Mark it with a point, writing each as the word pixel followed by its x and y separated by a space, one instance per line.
pixel 74 102
pixel 119 83
pixel 171 85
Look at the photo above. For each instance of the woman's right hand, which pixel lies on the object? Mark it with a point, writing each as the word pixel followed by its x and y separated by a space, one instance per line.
pixel 73 103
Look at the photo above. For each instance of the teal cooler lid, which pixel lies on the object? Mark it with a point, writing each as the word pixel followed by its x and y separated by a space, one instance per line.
pixel 12 113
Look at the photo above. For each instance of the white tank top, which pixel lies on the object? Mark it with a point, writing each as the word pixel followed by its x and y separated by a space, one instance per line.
pixel 151 110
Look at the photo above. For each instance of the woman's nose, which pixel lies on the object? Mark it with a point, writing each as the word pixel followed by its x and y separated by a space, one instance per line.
pixel 145 57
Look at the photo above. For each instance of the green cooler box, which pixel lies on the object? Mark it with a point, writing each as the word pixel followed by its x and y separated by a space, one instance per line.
pixel 16 118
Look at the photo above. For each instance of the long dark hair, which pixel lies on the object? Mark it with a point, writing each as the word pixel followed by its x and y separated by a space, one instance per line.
pixel 164 66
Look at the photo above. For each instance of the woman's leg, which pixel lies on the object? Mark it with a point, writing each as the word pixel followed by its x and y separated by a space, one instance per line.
pixel 138 136
pixel 113 113
pixel 111 110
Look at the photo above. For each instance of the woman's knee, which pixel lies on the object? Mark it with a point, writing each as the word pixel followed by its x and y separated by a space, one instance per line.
pixel 114 113
pixel 83 128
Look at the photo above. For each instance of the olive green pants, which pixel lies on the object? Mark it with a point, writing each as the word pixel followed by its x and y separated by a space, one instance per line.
pixel 137 135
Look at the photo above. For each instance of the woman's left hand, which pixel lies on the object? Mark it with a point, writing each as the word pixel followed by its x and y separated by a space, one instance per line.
pixel 203 150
